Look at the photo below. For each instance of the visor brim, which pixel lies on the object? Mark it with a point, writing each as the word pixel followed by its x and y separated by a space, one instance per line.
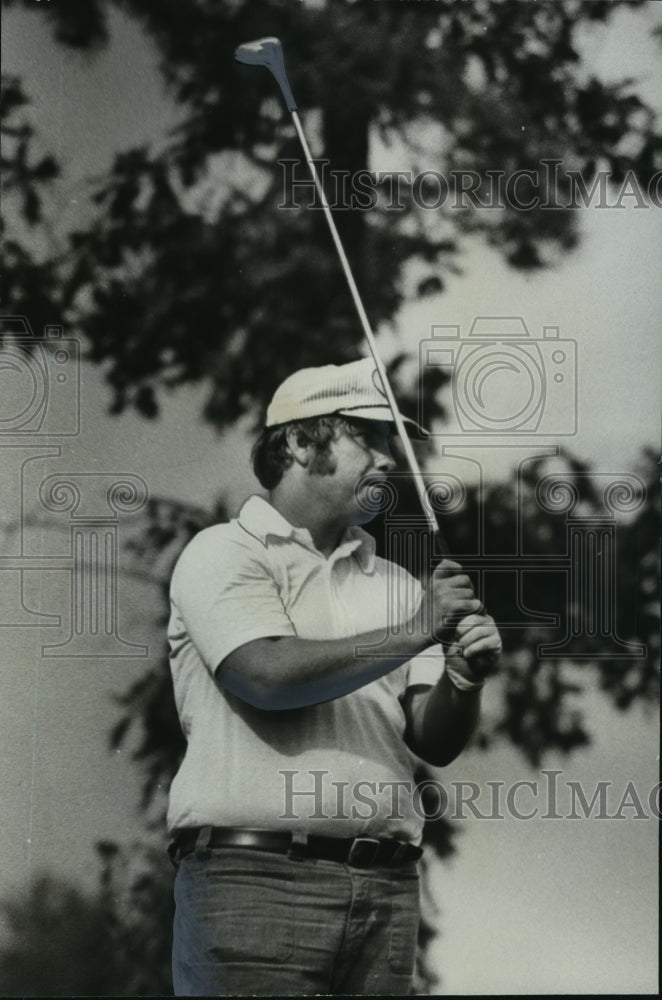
pixel 414 430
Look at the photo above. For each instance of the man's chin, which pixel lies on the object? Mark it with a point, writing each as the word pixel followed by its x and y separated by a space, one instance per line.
pixel 370 496
pixel 364 517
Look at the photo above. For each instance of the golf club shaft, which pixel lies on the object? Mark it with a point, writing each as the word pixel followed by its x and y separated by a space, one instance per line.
pixel 452 652
pixel 370 337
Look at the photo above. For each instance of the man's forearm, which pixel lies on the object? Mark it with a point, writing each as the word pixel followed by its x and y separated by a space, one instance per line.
pixel 442 720
pixel 291 672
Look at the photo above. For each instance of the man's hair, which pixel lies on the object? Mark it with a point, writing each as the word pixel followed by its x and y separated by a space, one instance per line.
pixel 271 454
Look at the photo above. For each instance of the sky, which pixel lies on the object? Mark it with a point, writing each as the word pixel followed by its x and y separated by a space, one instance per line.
pixel 526 906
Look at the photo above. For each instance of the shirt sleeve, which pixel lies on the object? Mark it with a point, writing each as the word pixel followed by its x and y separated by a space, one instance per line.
pixel 426 667
pixel 225 596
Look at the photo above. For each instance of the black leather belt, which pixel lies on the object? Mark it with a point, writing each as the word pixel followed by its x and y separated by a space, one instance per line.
pixel 360 852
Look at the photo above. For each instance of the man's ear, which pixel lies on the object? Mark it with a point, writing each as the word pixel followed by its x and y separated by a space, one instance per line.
pixel 301 453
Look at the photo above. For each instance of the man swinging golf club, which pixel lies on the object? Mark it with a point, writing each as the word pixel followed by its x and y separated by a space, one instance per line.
pixel 296 852
pixel 292 815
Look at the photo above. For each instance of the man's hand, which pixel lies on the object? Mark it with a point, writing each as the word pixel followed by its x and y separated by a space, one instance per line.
pixel 480 644
pixel 448 599
pixel 460 623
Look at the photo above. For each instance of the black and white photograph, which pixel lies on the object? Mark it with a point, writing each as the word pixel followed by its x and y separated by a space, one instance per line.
pixel 329 497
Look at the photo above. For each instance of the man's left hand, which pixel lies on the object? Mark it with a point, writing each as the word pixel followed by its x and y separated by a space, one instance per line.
pixel 479 642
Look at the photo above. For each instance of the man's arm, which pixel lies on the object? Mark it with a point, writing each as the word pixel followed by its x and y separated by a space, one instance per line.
pixel 289 672
pixel 441 719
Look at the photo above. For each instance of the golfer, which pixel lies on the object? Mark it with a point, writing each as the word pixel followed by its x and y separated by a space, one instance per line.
pixel 308 681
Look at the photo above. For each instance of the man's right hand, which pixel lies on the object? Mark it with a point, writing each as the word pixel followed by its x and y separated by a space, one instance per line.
pixel 448 599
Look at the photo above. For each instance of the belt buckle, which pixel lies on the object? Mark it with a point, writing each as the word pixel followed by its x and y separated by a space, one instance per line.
pixel 363 852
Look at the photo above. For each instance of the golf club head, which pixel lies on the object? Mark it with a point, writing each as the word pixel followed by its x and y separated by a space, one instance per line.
pixel 268 52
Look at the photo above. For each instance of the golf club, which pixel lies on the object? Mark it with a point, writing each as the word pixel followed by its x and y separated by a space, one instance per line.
pixel 268 52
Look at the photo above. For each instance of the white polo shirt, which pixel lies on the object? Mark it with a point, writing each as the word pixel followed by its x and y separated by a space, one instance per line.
pixel 329 769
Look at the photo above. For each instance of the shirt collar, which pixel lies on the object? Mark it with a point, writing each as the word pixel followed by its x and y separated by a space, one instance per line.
pixel 262 520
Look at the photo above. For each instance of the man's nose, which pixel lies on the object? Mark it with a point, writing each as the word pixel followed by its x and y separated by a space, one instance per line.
pixel 384 461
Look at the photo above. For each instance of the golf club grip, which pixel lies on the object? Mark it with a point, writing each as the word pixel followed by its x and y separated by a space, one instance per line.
pixel 451 648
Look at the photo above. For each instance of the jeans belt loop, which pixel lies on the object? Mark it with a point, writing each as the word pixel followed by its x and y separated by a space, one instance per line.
pixel 363 852
pixel 203 839
pixel 297 848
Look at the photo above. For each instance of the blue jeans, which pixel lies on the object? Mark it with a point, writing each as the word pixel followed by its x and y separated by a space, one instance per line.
pixel 253 922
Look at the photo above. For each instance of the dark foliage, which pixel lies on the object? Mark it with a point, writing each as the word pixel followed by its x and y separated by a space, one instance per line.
pixel 61 942
pixel 30 281
pixel 191 271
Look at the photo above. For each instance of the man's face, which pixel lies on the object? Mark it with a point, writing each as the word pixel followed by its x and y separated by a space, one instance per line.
pixel 354 454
